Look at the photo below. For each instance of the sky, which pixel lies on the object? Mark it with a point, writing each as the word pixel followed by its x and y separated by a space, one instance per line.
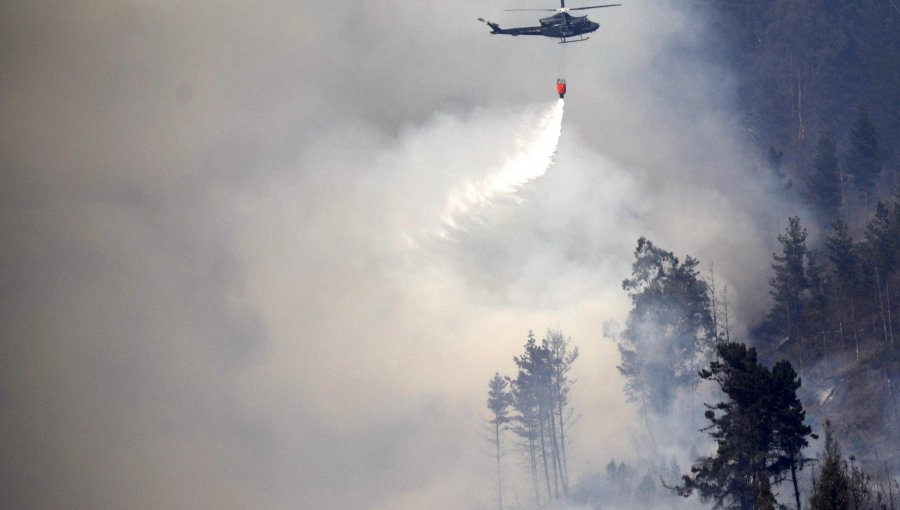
pixel 227 276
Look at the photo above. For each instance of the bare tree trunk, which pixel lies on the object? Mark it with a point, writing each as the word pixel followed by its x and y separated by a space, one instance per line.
pixel 554 454
pixel 562 445
pixel 534 473
pixel 887 295
pixel 796 326
pixel 544 456
pixel 796 488
pixel 725 305
pixel 715 301
pixel 881 313
pixel 841 185
pixel 841 334
pixel 499 478
pixel 855 329
pixel 801 127
pixel 894 415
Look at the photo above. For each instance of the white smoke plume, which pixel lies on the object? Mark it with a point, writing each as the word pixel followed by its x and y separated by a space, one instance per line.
pixel 209 299
pixel 536 141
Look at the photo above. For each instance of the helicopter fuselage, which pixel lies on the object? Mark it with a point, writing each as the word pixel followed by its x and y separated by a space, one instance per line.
pixel 563 25
pixel 560 26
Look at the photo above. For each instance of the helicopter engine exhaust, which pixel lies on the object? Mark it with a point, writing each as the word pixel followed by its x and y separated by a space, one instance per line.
pixel 561 88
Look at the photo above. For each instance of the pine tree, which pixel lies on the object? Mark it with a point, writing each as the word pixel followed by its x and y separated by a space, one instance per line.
pixel 824 182
pixel 863 157
pixel 816 309
pixel 530 405
pixel 540 397
pixel 562 359
pixel 498 402
pixel 790 428
pixel 831 487
pixel 759 432
pixel 860 485
pixel 844 260
pixel 879 263
pixel 789 284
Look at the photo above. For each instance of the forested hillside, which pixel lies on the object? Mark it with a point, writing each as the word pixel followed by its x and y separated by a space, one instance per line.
pixel 834 314
pixel 820 96
pixel 805 69
pixel 819 89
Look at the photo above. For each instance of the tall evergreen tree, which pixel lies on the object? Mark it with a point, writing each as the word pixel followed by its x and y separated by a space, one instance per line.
pixel 824 182
pixel 831 488
pixel 498 403
pixel 844 260
pixel 540 397
pixel 863 157
pixel 879 262
pixel 527 418
pixel 562 359
pixel 759 431
pixel 789 284
pixel 530 402
pixel 817 296
pixel 790 428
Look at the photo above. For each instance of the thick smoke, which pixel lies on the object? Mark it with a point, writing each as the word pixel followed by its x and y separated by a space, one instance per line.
pixel 215 293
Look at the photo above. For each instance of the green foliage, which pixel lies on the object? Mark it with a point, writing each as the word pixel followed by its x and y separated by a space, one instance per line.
pixel 805 65
pixel 831 488
pixel 540 399
pixel 670 329
pixel 840 485
pixel 759 431
pixel 789 282
pixel 824 182
pixel 863 158
pixel 498 400
pixel 843 257
pixel 880 243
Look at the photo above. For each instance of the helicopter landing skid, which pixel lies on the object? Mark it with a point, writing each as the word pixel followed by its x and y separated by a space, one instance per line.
pixel 574 41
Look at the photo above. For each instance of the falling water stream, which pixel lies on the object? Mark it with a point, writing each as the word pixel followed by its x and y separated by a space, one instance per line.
pixel 532 157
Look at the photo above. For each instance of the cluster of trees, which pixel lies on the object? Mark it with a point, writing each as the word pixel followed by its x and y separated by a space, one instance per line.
pixel 626 486
pixel 760 431
pixel 676 339
pixel 535 407
pixel 841 298
pixel 846 184
pixel 834 311
pixel 807 65
pixel 673 342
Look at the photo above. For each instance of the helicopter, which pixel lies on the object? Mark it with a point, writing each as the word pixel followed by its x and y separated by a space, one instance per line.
pixel 561 25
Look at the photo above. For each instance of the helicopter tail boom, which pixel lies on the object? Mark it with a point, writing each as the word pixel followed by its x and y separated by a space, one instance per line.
pixel 495 29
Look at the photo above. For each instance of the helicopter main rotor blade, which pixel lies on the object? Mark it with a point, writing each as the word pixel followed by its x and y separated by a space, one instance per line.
pixel 542 10
pixel 592 7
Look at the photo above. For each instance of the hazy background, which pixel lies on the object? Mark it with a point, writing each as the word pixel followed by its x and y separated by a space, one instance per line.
pixel 221 286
